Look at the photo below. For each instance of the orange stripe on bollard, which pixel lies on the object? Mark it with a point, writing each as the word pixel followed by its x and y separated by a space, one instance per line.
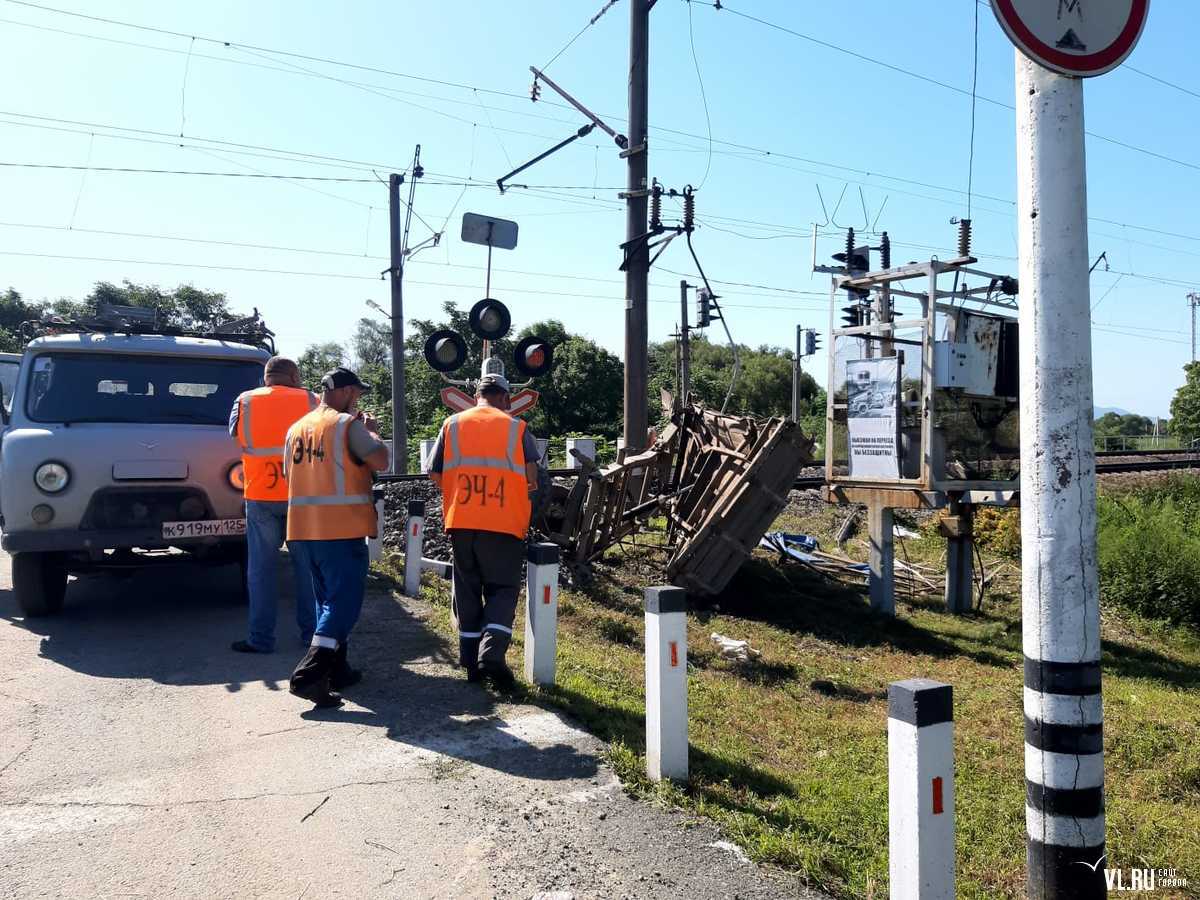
pixel 674 654
pixel 937 796
pixel 546 593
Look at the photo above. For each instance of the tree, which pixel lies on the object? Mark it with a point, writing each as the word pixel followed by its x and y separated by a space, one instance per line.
pixel 185 307
pixel 316 360
pixel 1185 406
pixel 583 393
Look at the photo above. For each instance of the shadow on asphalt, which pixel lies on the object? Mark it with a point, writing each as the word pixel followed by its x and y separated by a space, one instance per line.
pixel 174 626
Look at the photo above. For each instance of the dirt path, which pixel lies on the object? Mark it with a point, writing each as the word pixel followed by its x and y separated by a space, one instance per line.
pixel 140 757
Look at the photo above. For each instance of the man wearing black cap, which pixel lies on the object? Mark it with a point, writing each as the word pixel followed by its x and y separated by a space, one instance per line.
pixel 330 456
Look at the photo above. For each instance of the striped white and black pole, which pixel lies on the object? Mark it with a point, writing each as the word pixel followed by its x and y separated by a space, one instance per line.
pixel 414 538
pixel 1064 761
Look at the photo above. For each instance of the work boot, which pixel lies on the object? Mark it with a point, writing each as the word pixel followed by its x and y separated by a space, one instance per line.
pixel 343 676
pixel 473 673
pixel 311 680
pixel 498 674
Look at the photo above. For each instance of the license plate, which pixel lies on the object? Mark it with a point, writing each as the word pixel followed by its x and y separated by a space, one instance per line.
pixel 208 528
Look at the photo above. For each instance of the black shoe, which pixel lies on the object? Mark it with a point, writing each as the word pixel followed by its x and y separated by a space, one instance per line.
pixel 321 699
pixel 499 675
pixel 345 678
pixel 246 647
pixel 473 674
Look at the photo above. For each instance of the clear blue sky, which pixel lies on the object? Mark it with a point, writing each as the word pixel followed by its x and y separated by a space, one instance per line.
pixel 813 107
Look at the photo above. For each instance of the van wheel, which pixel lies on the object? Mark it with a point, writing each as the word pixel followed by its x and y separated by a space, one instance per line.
pixel 40 582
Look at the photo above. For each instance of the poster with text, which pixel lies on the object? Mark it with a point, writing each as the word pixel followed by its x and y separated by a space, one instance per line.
pixel 872 392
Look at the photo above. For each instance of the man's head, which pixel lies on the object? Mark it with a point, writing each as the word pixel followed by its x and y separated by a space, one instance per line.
pixel 493 390
pixel 341 388
pixel 281 371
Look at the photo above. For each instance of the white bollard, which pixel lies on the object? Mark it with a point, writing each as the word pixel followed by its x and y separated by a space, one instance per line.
pixel 375 544
pixel 666 683
pixel 414 537
pixel 585 446
pixel 541 613
pixel 426 453
pixel 921 790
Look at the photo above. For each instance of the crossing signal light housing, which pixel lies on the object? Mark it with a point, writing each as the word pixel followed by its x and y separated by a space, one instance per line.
pixel 490 319
pixel 852 315
pixel 811 343
pixel 703 308
pixel 445 351
pixel 533 356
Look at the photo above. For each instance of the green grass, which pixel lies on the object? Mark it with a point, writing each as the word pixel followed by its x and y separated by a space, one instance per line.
pixel 788 753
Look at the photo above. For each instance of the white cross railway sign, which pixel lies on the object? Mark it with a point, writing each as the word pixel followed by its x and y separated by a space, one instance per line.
pixel 1074 37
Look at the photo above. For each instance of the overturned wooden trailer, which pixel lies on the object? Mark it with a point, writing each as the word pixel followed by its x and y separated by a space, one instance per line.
pixel 718 480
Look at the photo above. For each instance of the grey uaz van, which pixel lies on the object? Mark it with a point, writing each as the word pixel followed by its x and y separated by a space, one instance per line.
pixel 116 451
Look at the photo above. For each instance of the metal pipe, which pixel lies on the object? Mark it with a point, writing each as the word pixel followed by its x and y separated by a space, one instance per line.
pixel 1064 761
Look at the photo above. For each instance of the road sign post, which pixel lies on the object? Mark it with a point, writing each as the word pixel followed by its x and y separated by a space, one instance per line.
pixel 1058 44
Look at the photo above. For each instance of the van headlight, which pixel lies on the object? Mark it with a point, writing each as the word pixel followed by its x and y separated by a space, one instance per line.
pixel 237 477
pixel 52 477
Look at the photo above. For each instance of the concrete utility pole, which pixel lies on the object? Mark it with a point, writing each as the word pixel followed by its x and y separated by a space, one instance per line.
pixel 1193 302
pixel 1064 762
pixel 637 269
pixel 399 412
pixel 796 374
pixel 685 346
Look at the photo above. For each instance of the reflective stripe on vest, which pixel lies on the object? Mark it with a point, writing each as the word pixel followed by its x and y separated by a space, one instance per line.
pixel 484 487
pixel 261 436
pixel 329 493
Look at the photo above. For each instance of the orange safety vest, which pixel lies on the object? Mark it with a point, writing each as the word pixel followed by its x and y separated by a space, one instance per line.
pixel 264 416
pixel 483 472
pixel 329 492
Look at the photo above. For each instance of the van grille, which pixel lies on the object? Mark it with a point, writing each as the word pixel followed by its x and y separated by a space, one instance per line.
pixel 144 507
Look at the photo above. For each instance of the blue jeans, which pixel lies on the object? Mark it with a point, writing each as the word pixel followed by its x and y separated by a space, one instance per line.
pixel 266 528
pixel 339 579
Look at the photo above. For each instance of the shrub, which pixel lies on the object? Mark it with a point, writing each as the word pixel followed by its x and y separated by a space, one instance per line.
pixel 1149 550
pixel 999 530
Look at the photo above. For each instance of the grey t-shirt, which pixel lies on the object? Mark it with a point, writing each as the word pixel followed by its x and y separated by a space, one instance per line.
pixel 362 443
pixel 529 450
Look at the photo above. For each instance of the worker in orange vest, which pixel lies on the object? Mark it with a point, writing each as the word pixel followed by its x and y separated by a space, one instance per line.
pixel 485 462
pixel 330 457
pixel 259 421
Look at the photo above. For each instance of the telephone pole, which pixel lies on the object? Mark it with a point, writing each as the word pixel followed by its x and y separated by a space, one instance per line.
pixel 1193 302
pixel 398 241
pixel 685 346
pixel 796 374
pixel 637 269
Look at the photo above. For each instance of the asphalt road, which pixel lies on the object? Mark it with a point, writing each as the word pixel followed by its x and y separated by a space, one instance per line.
pixel 140 757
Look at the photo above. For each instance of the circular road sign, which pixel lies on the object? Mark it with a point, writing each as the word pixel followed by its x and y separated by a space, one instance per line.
pixel 1074 37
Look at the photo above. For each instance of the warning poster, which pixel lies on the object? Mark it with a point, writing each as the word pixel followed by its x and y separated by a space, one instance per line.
pixel 872 392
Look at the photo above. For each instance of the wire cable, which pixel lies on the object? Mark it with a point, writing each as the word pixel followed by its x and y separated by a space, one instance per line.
pixel 974 92
pixel 703 97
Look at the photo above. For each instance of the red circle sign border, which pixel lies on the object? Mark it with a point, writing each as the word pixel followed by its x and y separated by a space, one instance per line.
pixel 1081 66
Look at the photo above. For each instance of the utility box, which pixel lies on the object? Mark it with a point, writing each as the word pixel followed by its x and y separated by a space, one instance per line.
pixel 976 358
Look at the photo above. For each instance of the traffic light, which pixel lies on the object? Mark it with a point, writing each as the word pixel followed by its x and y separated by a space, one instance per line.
pixel 852 315
pixel 533 356
pixel 445 351
pixel 703 308
pixel 811 343
pixel 490 319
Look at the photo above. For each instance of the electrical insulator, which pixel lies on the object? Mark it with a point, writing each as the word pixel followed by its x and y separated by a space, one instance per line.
pixel 656 192
pixel 535 90
pixel 689 208
pixel 964 237
pixel 810 342
pixel 703 308
pixel 885 251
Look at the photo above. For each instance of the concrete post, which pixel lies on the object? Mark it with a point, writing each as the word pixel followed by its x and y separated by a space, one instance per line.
pixel 1064 761
pixel 666 683
pixel 426 453
pixel 541 613
pixel 375 544
pixel 585 446
pixel 920 790
pixel 958 528
pixel 883 549
pixel 414 537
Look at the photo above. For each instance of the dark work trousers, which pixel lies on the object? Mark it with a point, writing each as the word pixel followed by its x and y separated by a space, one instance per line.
pixel 487 576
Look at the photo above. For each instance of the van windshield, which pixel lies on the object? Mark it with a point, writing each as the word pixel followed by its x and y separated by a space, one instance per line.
pixel 8 378
pixel 94 387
